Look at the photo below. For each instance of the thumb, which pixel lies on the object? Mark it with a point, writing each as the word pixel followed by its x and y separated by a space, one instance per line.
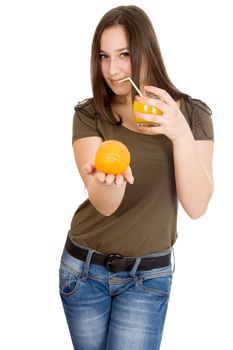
pixel 88 168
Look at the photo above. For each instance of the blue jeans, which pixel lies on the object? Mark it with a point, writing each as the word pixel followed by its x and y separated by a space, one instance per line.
pixel 113 311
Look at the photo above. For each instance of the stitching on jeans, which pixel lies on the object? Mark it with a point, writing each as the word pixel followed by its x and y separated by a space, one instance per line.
pixel 77 287
pixel 151 290
pixel 154 275
pixel 70 269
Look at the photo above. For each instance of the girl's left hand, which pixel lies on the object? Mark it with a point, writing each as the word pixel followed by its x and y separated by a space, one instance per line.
pixel 171 124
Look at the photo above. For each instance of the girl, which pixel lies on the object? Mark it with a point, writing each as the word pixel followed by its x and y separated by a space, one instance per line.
pixel 115 273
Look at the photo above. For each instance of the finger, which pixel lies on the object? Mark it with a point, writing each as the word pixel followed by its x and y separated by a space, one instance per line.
pixel 161 93
pixel 119 179
pixel 129 178
pixel 154 119
pixel 159 104
pixel 128 171
pixel 128 175
pixel 150 130
pixel 155 102
pixel 88 168
pixel 100 177
pixel 109 179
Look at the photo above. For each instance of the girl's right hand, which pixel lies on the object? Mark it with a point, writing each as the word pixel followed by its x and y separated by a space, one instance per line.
pixel 109 179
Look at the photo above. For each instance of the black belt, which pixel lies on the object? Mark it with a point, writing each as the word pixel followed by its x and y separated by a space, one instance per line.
pixel 116 262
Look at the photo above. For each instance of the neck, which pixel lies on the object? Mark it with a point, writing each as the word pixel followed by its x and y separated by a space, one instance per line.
pixel 122 100
pixel 122 108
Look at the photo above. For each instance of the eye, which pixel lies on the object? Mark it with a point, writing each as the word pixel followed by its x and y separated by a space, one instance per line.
pixel 103 56
pixel 125 54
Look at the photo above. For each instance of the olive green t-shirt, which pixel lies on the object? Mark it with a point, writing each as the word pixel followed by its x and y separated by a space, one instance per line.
pixel 145 221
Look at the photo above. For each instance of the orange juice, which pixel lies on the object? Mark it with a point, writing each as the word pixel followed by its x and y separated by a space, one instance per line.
pixel 145 109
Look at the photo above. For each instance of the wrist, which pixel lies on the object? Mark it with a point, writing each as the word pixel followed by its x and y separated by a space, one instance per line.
pixel 185 137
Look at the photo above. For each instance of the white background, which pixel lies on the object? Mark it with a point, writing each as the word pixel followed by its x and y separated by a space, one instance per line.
pixel 44 72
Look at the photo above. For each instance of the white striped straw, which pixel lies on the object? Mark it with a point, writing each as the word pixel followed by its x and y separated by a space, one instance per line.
pixel 134 85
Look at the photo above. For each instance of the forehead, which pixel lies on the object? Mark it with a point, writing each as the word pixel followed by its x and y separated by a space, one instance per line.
pixel 113 39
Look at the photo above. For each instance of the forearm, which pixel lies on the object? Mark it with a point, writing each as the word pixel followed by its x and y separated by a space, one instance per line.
pixel 106 199
pixel 193 182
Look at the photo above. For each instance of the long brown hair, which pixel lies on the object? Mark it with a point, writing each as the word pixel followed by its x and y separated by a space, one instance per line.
pixel 143 45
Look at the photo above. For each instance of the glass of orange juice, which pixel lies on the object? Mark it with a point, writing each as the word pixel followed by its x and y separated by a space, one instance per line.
pixel 145 109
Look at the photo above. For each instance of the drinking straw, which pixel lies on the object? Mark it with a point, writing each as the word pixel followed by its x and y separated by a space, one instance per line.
pixel 134 85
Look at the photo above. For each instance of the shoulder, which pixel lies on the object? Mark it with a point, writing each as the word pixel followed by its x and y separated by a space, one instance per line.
pixel 196 104
pixel 199 117
pixel 87 108
pixel 85 120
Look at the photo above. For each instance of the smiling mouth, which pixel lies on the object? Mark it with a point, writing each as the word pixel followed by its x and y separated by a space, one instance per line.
pixel 123 80
pixel 118 81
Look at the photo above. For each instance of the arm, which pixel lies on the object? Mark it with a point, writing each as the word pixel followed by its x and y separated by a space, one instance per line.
pixel 193 173
pixel 192 159
pixel 105 191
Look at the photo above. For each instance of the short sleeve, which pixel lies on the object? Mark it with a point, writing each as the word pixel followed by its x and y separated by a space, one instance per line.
pixel 200 119
pixel 84 121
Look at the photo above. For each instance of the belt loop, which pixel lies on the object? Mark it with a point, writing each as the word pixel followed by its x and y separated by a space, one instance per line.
pixel 174 260
pixel 87 265
pixel 135 267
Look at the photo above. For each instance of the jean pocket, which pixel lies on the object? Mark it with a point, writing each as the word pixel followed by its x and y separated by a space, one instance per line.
pixel 69 280
pixel 159 286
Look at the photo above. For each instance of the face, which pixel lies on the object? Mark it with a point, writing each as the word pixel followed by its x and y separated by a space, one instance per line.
pixel 115 59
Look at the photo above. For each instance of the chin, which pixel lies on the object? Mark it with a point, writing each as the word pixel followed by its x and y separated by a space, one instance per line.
pixel 120 91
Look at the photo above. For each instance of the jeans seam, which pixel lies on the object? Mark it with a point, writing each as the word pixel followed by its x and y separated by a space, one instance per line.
pixel 157 292
pixel 155 275
pixel 76 288
pixel 70 269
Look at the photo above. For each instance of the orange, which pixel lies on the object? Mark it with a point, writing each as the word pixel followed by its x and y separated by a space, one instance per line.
pixel 112 157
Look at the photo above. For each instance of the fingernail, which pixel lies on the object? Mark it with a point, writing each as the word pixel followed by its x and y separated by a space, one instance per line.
pixel 131 180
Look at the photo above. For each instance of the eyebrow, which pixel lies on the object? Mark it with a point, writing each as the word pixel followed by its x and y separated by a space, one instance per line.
pixel 118 50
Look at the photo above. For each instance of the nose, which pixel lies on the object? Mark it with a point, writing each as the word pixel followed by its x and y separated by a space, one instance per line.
pixel 114 67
